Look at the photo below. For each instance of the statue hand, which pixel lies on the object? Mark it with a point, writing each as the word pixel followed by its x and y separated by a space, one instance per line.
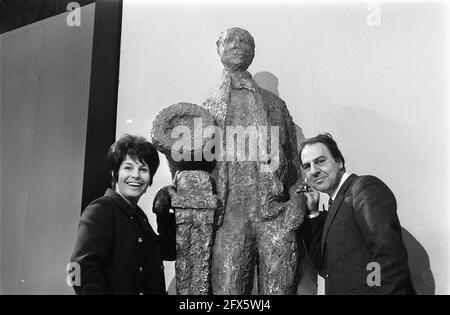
pixel 294 214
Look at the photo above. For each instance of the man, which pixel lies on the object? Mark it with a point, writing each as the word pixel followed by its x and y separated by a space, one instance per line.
pixel 357 247
pixel 261 208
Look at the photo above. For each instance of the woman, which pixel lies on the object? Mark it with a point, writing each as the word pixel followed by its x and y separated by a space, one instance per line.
pixel 116 248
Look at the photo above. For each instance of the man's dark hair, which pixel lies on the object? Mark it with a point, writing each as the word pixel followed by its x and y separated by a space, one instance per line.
pixel 138 149
pixel 327 140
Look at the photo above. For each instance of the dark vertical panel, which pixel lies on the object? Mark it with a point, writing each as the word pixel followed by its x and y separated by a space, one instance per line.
pixel 101 128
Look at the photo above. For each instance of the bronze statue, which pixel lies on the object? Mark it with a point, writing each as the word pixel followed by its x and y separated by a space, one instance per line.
pixel 260 211
pixel 230 193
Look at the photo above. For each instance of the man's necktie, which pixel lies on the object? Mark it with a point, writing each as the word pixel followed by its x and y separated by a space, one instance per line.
pixel 330 203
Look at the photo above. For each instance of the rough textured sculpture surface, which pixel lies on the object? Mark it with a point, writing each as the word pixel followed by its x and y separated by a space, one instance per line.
pixel 192 196
pixel 183 115
pixel 194 206
pixel 260 209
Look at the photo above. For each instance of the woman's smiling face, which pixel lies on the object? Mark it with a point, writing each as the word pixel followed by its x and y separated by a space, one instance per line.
pixel 133 180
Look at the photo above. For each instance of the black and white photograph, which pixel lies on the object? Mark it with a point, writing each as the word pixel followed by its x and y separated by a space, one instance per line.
pixel 224 148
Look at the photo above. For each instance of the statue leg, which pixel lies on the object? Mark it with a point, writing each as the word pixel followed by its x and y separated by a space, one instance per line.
pixel 201 251
pixel 234 257
pixel 278 259
pixel 183 264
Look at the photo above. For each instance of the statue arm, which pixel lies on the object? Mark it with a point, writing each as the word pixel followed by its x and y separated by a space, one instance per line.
pixel 292 209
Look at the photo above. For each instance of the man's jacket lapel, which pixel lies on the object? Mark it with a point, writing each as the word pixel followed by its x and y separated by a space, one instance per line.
pixel 335 209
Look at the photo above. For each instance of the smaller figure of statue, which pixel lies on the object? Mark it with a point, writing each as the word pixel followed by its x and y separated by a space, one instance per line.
pixel 192 197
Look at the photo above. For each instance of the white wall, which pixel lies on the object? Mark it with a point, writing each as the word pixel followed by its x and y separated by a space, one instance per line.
pixel 381 91
pixel 44 105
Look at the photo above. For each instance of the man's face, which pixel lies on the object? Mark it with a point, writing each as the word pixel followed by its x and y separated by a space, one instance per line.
pixel 236 52
pixel 322 171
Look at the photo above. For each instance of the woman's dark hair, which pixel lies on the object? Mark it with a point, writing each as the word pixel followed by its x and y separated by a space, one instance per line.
pixel 138 149
pixel 327 140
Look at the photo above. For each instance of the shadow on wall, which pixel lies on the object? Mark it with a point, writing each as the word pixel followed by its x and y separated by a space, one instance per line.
pixel 269 82
pixel 419 265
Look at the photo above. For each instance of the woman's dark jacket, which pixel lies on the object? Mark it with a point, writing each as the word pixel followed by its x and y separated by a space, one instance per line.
pixel 118 251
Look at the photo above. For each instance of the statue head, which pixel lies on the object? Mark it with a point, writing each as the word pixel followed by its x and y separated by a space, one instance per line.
pixel 236 48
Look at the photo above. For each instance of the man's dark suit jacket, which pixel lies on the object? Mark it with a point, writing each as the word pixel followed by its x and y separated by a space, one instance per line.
pixel 118 251
pixel 361 227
